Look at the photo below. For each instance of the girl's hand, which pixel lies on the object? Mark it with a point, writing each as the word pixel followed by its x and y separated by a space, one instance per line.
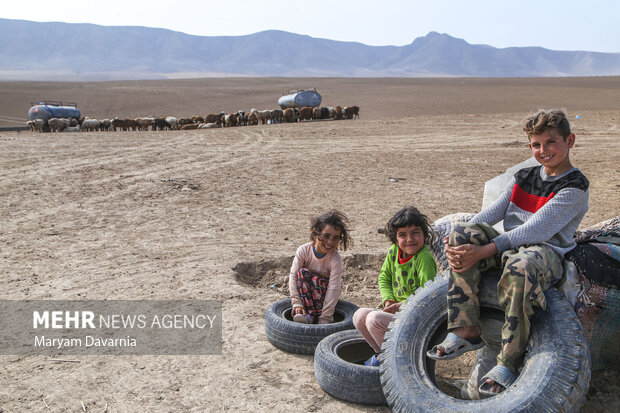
pixel 391 307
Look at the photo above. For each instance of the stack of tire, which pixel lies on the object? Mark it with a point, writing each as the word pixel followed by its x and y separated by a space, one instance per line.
pixel 339 351
pixel 555 375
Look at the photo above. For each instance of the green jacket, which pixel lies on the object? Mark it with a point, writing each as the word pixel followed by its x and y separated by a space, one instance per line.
pixel 399 281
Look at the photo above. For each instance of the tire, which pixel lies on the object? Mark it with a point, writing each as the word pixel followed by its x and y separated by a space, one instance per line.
pixel 340 371
pixel 555 375
pixel 299 338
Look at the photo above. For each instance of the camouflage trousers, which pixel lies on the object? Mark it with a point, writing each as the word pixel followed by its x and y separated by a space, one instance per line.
pixel 527 271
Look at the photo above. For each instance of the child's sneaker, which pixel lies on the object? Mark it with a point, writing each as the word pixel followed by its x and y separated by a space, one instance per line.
pixel 373 361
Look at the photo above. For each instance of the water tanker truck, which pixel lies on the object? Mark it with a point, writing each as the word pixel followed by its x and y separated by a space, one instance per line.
pixel 50 109
pixel 300 98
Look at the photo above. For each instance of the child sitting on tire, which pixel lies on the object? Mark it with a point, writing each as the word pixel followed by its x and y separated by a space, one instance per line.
pixel 541 207
pixel 315 279
pixel 407 266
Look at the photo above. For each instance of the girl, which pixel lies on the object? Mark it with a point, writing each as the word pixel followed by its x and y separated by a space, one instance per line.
pixel 407 266
pixel 316 273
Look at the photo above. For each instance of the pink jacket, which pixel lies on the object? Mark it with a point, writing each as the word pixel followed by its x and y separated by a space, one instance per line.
pixel 329 266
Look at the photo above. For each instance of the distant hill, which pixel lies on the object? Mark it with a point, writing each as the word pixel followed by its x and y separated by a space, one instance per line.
pixel 64 51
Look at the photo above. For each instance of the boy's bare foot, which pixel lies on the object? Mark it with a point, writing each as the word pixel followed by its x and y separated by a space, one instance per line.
pixel 495 388
pixel 468 332
pixel 496 381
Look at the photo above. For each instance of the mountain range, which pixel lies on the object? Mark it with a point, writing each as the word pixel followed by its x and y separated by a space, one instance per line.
pixel 69 51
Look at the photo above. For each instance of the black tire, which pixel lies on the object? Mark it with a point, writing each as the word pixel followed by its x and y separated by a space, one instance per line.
pixel 340 371
pixel 299 338
pixel 555 376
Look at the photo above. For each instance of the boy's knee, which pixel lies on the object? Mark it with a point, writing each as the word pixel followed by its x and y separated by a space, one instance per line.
pixel 458 235
pixel 467 233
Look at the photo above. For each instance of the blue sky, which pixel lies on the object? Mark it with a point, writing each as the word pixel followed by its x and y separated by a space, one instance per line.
pixel 557 25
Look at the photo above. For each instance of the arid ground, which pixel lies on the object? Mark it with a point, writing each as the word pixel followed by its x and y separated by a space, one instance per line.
pixel 169 214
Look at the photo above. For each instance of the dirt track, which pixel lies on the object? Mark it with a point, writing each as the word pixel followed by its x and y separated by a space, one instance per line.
pixel 167 215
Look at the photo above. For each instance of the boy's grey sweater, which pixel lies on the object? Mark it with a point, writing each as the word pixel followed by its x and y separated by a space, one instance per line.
pixel 539 209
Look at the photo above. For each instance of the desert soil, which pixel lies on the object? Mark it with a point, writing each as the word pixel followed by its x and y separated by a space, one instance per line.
pixel 169 214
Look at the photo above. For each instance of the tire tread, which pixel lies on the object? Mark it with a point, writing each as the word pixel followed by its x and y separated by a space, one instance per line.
pixel 559 382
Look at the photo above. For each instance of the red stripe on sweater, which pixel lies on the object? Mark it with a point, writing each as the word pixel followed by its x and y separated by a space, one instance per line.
pixel 528 202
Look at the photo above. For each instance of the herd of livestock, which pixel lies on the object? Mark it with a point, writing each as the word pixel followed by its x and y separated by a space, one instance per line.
pixel 213 120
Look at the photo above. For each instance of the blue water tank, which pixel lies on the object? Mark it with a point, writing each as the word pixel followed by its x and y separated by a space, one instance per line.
pixel 300 98
pixel 47 110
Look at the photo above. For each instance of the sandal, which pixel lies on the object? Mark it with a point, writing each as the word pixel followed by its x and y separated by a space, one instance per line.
pixel 455 346
pixel 500 375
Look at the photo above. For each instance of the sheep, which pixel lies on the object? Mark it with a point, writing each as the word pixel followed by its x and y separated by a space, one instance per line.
pixel 289 115
pixel 144 123
pixel 118 123
pixel 338 113
pixel 264 116
pixel 305 113
pixel 57 125
pixel 231 119
pixel 173 122
pixel 161 124
pixel 30 125
pixel 252 118
pixel 324 112
pixel 215 118
pixel 131 124
pixel 208 125
pixel 90 125
pixel 105 125
pixel 243 119
pixel 331 112
pixel 39 125
pixel 276 116
pixel 316 113
pixel 189 126
pixel 352 112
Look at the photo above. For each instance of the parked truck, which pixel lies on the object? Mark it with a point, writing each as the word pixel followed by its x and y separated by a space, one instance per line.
pixel 300 98
pixel 48 109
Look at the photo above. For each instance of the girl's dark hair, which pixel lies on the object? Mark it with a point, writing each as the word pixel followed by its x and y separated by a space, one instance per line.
pixel 407 216
pixel 337 220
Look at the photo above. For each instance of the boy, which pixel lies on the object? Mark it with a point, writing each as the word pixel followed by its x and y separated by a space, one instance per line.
pixel 542 207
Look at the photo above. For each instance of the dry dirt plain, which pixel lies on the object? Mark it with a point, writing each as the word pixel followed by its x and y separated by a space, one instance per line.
pixel 168 214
